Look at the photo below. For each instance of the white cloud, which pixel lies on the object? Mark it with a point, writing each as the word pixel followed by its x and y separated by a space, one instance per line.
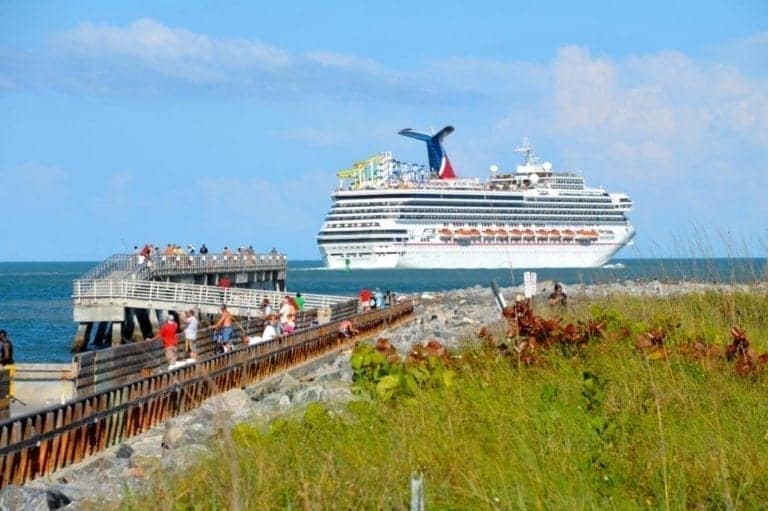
pixel 149 58
pixel 343 61
pixel 584 89
pixel 172 50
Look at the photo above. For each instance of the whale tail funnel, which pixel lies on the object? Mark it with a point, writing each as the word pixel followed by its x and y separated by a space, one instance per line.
pixel 438 160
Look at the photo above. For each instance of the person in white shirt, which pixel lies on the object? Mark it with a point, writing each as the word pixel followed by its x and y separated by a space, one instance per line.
pixel 270 330
pixel 190 333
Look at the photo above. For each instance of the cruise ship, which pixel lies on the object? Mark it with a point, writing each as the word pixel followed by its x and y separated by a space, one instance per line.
pixel 391 214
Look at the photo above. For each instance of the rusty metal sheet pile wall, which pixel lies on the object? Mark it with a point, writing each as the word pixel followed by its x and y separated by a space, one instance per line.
pixel 44 441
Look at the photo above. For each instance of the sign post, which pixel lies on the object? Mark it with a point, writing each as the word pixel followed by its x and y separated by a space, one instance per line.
pixel 529 286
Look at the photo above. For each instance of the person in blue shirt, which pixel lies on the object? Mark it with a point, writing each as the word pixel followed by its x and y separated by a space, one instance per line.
pixel 379 297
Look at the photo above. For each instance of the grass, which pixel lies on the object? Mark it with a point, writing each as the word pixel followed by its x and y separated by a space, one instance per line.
pixel 603 427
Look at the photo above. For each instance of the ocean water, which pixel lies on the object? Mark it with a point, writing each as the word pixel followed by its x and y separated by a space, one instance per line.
pixel 36 307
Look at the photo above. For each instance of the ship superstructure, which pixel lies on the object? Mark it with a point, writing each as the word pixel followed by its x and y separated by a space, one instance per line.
pixel 391 214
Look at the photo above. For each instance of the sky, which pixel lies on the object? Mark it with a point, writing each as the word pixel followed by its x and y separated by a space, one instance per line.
pixel 225 122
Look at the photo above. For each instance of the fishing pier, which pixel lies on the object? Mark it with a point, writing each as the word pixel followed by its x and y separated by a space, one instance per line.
pixel 121 299
pixel 115 393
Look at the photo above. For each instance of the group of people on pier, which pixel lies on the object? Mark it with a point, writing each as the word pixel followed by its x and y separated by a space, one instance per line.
pixel 149 251
pixel 376 299
pixel 280 322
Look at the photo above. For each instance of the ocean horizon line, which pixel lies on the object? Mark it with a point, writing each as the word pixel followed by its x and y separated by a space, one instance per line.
pixel 319 261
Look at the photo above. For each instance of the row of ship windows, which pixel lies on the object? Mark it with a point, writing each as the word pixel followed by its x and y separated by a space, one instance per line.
pixel 478 214
pixel 340 228
pixel 490 202
pixel 563 219
pixel 369 240
pixel 477 205
pixel 501 211
pixel 595 200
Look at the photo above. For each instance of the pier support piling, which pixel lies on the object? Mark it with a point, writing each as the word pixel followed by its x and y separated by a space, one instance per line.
pixel 116 334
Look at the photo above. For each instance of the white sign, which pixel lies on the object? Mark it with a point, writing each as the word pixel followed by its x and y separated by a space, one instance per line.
pixel 529 283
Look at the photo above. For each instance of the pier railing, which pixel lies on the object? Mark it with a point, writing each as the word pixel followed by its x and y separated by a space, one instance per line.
pixel 137 267
pixel 169 265
pixel 44 441
pixel 164 294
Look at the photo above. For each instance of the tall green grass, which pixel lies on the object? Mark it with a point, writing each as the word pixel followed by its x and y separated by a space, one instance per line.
pixel 603 427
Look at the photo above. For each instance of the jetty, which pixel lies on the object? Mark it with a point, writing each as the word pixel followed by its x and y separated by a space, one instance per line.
pixel 104 396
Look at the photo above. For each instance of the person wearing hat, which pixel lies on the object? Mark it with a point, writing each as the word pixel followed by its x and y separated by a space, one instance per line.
pixel 168 334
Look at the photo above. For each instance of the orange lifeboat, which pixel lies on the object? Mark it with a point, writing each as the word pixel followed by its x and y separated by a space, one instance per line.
pixel 554 234
pixel 461 233
pixel 568 234
pixel 501 233
pixel 445 234
pixel 489 233
pixel 542 234
pixel 515 234
pixel 586 235
pixel 474 234
pixel 528 234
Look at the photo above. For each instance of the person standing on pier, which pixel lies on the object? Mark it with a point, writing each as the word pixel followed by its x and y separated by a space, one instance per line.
pixel 266 308
pixel 299 301
pixel 203 249
pixel 168 334
pixel 271 329
pixel 6 359
pixel 225 324
pixel 190 333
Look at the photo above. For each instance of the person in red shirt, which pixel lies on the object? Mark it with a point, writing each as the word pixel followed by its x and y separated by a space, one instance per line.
pixel 365 299
pixel 168 334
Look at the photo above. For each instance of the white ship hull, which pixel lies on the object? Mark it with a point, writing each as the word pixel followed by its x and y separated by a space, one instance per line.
pixel 476 256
